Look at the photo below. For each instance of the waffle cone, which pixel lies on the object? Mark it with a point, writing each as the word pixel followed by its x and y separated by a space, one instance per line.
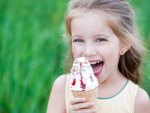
pixel 90 95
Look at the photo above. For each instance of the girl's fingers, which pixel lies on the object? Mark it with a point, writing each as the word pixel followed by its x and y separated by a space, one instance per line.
pixel 88 110
pixel 77 100
pixel 80 105
pixel 84 105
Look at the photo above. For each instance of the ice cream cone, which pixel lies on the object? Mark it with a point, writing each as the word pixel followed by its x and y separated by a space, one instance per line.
pixel 90 95
pixel 83 82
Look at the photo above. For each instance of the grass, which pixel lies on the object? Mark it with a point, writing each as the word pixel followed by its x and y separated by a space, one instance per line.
pixel 32 52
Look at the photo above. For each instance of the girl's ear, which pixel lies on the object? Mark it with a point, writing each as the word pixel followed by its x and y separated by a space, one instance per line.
pixel 124 47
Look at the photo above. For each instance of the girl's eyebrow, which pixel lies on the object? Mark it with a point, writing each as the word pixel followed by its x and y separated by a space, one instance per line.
pixel 97 35
pixel 102 35
pixel 76 36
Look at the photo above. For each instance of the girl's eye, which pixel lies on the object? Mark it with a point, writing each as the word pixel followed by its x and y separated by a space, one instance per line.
pixel 100 39
pixel 78 40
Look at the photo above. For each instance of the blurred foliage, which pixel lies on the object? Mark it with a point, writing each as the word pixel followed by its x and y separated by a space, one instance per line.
pixel 142 12
pixel 32 51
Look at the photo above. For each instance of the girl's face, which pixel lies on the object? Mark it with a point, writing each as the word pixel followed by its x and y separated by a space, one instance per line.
pixel 94 39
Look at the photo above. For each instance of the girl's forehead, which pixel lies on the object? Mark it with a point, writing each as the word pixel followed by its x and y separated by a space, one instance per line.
pixel 91 12
pixel 90 23
pixel 94 15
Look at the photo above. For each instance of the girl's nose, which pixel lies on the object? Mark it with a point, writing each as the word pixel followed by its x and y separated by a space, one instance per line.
pixel 90 51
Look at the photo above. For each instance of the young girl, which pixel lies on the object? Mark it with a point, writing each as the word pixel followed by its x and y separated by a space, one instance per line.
pixel 103 31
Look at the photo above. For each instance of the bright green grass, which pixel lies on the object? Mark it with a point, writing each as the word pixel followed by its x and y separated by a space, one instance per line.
pixel 32 52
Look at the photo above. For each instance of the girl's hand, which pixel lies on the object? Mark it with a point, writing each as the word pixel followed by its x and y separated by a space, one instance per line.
pixel 80 105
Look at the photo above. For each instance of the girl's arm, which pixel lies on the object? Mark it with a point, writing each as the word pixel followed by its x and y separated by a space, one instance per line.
pixel 57 97
pixel 142 102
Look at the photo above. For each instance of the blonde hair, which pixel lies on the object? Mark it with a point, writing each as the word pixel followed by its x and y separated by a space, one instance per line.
pixel 123 26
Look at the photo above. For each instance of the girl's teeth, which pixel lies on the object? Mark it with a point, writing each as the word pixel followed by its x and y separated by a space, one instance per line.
pixel 95 62
pixel 98 62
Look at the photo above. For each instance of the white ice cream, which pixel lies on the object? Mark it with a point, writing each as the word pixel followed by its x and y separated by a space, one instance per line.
pixel 82 76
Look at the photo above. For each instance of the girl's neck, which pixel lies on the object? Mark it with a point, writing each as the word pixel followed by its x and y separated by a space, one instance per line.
pixel 116 78
pixel 112 86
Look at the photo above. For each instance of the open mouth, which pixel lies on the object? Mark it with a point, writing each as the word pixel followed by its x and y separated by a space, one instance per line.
pixel 97 67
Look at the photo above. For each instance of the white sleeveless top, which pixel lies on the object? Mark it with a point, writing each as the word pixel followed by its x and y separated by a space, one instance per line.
pixel 122 102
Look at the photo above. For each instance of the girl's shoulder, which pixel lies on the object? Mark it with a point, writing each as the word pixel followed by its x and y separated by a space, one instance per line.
pixel 57 95
pixel 61 80
pixel 142 101
pixel 142 95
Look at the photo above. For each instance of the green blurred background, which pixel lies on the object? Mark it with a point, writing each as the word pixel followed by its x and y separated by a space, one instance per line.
pixel 32 51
